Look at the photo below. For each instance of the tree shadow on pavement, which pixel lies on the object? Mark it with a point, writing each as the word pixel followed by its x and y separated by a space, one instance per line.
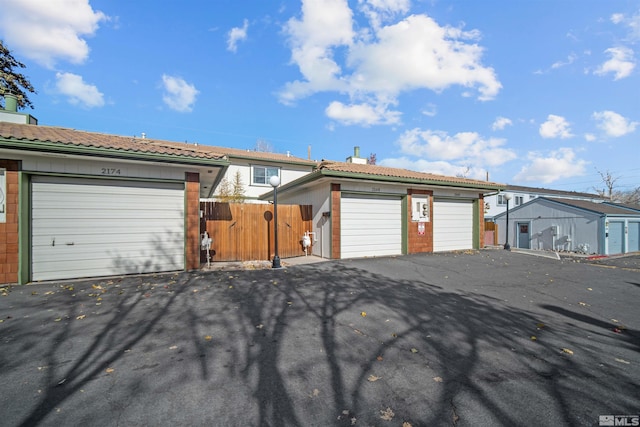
pixel 322 344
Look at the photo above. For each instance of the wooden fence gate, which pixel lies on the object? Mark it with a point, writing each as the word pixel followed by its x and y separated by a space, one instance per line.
pixel 245 232
pixel 490 233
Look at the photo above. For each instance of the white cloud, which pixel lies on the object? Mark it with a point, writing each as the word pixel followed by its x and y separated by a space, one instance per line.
pixel 438 167
pixel 48 31
pixel 379 11
pixel 236 35
pixel 178 94
pixel 378 63
pixel 464 148
pixel 417 53
pixel 589 137
pixel 555 127
pixel 324 25
pixel 78 92
pixel 501 123
pixel 362 114
pixel 570 60
pixel 621 63
pixel 558 164
pixel 613 124
pixel 430 110
pixel 631 22
pixel 617 18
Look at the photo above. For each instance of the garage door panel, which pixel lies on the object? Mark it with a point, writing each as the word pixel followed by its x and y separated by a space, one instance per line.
pixel 452 225
pixel 634 236
pixel 370 226
pixel 87 227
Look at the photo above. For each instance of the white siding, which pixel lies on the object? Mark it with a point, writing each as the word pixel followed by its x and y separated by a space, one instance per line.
pixel 370 226
pixel 90 227
pixel 318 197
pixel 452 225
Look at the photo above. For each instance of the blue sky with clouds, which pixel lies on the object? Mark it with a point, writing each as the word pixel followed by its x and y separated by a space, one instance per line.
pixel 537 93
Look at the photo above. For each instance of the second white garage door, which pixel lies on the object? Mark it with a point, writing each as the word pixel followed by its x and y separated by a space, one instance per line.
pixel 370 226
pixel 452 225
pixel 90 227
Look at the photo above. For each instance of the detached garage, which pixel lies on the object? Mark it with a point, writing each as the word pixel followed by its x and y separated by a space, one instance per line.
pixel 89 227
pixel 573 226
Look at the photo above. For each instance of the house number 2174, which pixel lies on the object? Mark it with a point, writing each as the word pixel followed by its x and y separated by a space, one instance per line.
pixel 110 171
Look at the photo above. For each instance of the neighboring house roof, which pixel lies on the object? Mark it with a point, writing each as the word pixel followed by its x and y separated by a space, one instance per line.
pixel 625 205
pixel 335 169
pixel 43 138
pixel 535 190
pixel 594 207
pixel 601 208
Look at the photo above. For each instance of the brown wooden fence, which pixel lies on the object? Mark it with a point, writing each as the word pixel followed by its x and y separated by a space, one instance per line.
pixel 244 231
pixel 490 233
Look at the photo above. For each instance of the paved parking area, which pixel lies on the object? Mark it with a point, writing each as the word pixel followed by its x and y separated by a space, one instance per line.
pixel 467 339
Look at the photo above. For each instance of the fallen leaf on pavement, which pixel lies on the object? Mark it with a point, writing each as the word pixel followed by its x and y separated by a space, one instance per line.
pixel 566 350
pixel 387 414
pixel 363 313
pixel 82 316
pixel 414 350
pixel 373 378
pixel 437 379
pixel 379 358
pixel 539 325
pixel 589 289
pixel 583 303
pixel 109 370
pixel 207 338
pixel 622 361
pixel 406 424
pixel 533 338
pixel 173 347
pixel 260 326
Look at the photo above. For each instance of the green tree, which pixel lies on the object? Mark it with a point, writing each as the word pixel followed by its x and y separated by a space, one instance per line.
pixel 11 81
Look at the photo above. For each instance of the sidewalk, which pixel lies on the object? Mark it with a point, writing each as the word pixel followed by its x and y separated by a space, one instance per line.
pixel 260 264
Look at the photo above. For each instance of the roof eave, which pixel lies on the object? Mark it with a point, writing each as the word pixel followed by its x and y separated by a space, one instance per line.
pixel 59 148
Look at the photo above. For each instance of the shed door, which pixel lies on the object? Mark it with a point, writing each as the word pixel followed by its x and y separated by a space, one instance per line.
pixel 616 237
pixel 91 227
pixel 452 225
pixel 634 236
pixel 370 226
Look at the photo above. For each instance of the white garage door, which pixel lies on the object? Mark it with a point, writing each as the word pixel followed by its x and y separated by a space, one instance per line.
pixel 452 225
pixel 89 227
pixel 370 226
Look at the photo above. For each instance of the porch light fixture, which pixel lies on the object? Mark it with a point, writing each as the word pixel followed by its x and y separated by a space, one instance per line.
pixel 275 182
pixel 507 246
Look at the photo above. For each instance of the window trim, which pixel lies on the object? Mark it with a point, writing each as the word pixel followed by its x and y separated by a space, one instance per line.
pixel 266 176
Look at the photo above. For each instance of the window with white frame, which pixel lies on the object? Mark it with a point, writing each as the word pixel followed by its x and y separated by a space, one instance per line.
pixel 502 200
pixel 518 200
pixel 261 174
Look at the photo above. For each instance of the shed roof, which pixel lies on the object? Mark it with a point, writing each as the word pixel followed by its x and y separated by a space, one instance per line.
pixel 537 190
pixel 602 208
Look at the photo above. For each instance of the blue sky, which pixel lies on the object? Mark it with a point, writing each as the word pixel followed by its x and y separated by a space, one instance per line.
pixel 537 93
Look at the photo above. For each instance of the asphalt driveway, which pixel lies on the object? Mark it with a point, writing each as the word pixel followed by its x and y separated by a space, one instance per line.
pixel 468 339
